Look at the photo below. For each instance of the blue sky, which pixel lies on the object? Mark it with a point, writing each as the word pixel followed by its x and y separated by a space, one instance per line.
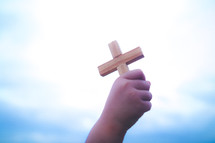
pixel 50 88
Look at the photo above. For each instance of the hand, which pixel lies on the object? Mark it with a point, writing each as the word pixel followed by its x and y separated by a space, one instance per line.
pixel 128 100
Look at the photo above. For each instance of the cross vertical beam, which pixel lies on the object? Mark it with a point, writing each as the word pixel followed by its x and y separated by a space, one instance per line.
pixel 115 51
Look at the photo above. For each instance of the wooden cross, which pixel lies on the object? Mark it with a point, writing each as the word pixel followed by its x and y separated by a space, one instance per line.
pixel 119 61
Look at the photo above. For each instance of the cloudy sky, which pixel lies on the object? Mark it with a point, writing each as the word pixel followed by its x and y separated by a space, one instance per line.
pixel 50 87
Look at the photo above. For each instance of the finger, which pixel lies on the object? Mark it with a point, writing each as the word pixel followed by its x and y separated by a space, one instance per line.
pixel 134 74
pixel 141 84
pixel 145 95
pixel 146 106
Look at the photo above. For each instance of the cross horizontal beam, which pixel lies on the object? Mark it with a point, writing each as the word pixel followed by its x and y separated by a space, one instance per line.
pixel 127 58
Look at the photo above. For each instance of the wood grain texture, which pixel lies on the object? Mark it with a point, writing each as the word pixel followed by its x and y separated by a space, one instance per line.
pixel 126 58
pixel 116 51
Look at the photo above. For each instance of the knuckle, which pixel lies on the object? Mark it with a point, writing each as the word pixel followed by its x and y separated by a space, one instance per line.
pixel 126 84
pixel 148 106
pixel 149 96
pixel 146 96
pixel 147 85
pixel 133 93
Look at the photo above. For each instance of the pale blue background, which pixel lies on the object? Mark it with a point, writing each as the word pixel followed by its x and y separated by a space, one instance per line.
pixel 50 89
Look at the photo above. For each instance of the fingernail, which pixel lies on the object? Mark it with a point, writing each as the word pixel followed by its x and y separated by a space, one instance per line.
pixel 149 82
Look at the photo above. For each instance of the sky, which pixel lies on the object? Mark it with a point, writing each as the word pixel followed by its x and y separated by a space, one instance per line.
pixel 50 87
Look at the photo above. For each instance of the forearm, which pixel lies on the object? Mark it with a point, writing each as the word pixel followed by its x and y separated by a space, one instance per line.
pixel 105 132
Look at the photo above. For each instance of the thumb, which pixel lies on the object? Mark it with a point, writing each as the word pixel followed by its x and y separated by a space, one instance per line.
pixel 134 74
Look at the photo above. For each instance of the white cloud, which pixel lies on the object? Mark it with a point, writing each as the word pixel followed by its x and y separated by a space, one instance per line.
pixel 71 41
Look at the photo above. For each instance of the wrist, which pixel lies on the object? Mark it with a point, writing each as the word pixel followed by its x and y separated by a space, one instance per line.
pixel 112 128
pixel 106 131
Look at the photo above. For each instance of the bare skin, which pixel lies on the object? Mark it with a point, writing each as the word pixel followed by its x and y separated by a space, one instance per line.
pixel 128 100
